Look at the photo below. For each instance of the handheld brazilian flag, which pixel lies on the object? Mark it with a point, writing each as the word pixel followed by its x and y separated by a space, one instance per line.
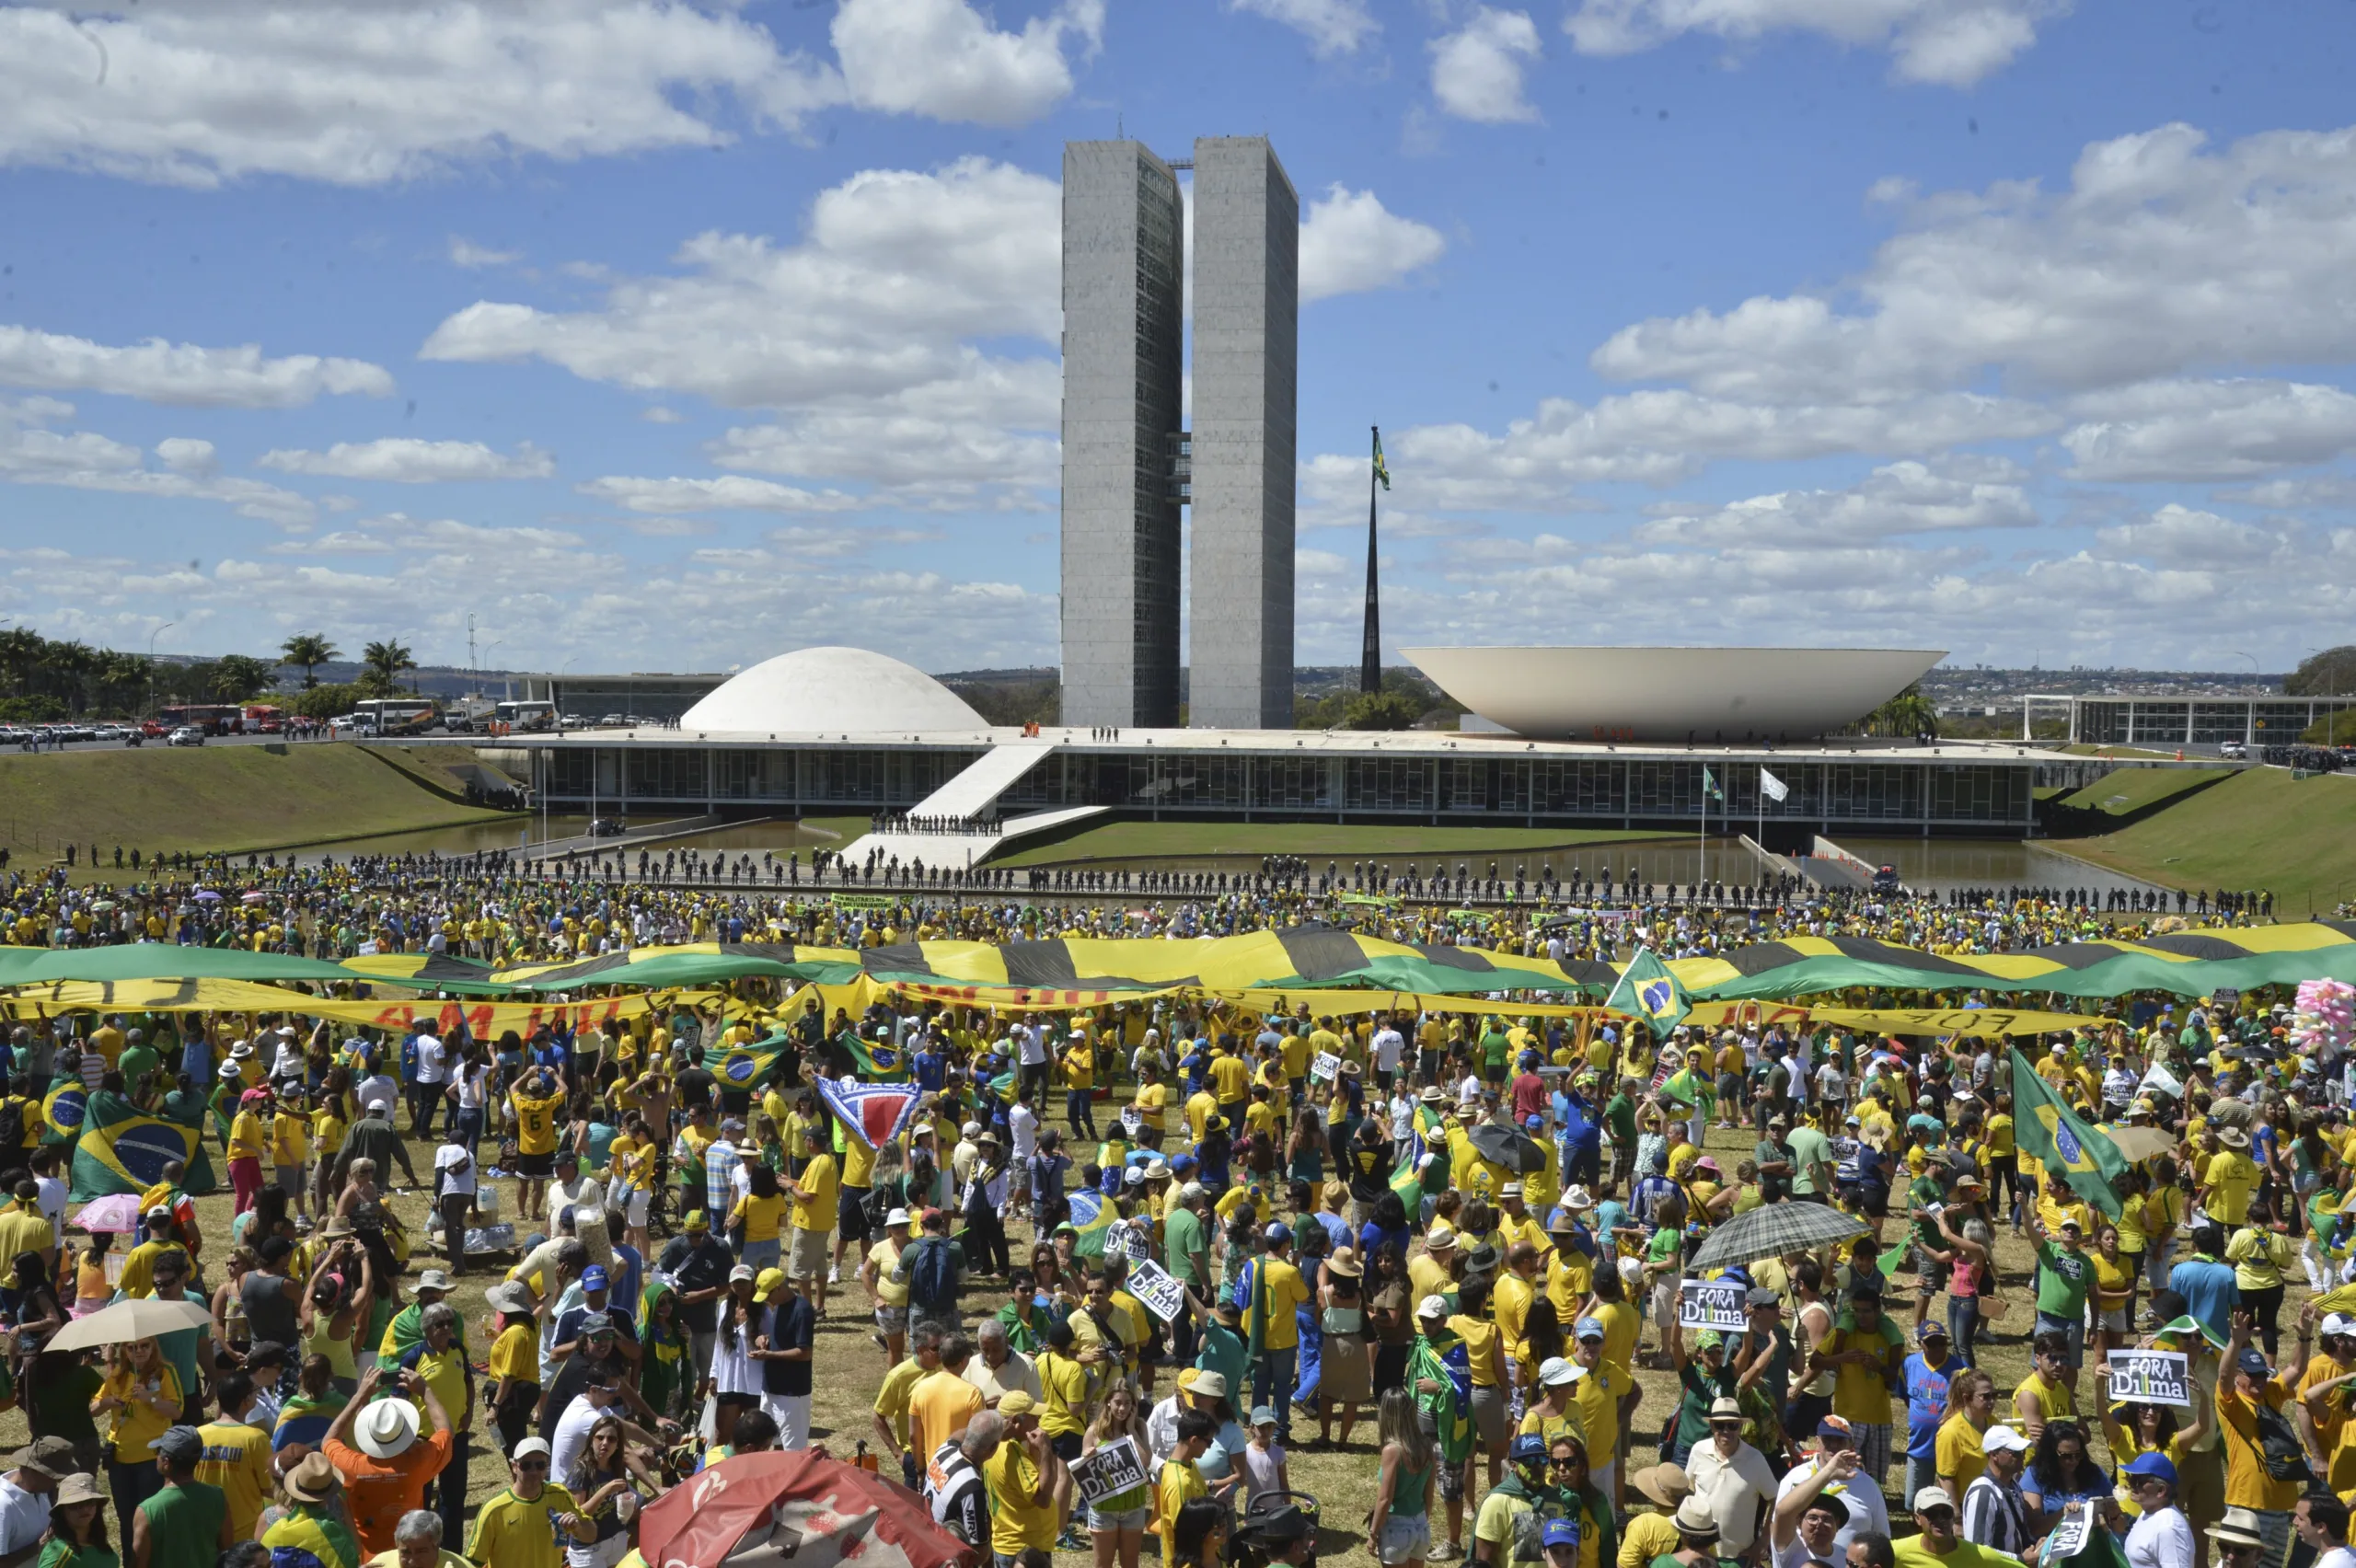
pixel 63 1108
pixel 1407 1181
pixel 1381 469
pixel 1650 991
pixel 742 1068
pixel 122 1149
pixel 879 1061
pixel 1093 1217
pixel 2050 1130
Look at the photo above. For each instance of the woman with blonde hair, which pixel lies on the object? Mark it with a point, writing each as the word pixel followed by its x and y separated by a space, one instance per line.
pixel 1399 1526
pixel 142 1391
pixel 1117 1524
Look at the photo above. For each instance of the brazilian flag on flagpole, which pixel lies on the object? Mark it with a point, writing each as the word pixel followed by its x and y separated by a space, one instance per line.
pixel 1648 990
pixel 1381 469
pixel 2045 1127
pixel 1710 786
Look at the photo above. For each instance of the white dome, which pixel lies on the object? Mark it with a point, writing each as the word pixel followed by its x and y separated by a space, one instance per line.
pixel 847 690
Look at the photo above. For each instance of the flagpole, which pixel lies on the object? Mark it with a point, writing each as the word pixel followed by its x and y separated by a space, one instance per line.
pixel 1371 649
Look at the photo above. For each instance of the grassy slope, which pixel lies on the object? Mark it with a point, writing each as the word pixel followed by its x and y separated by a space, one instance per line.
pixel 226 798
pixel 2126 791
pixel 2262 830
pixel 1161 840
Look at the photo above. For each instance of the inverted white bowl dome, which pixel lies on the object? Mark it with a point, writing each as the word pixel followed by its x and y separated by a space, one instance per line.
pixel 849 690
pixel 1672 693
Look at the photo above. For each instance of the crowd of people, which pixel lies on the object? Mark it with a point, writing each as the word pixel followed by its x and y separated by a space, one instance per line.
pixel 1454 1250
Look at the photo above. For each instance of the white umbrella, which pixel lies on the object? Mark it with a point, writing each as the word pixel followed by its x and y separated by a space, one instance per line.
pixel 136 1319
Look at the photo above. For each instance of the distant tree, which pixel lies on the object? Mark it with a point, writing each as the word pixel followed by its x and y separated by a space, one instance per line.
pixel 382 664
pixel 1908 714
pixel 2332 673
pixel 1381 711
pixel 308 651
pixel 325 702
pixel 236 676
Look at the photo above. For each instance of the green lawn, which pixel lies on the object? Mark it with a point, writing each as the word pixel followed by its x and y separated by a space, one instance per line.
pixel 2263 829
pixel 1182 840
pixel 222 798
pixel 2123 791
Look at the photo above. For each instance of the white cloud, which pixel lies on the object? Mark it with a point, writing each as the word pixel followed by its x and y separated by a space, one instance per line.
pixel 1476 71
pixel 861 336
pixel 2162 258
pixel 1952 42
pixel 465 252
pixel 354 93
pixel 183 374
pixel 730 492
pixel 658 414
pixel 2328 491
pixel 1350 243
pixel 2186 537
pixel 401 460
pixel 2211 429
pixel 1332 26
pixel 942 58
pixel 184 456
pixel 32 454
pixel 1901 498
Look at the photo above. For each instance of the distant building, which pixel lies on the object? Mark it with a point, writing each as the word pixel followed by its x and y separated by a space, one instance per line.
pixel 657 695
pixel 1124 283
pixel 1247 302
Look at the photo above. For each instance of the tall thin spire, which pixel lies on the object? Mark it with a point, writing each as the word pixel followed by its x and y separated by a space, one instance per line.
pixel 1371 653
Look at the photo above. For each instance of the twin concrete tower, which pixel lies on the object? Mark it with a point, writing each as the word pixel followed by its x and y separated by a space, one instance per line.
pixel 1129 465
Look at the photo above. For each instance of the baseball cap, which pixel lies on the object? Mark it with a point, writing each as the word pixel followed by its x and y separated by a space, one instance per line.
pixel 1999 1439
pixel 1835 1426
pixel 1562 1532
pixel 2252 1363
pixel 593 1277
pixel 1759 1295
pixel 1529 1448
pixel 741 1271
pixel 1932 1498
pixel 2338 1323
pixel 1588 1328
pixel 1432 1307
pixel 1278 1231
pixel 1016 1403
pixel 2153 1463
pixel 530 1447
pixel 696 1221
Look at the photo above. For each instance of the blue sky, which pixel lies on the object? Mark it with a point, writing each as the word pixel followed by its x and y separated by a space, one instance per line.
pixel 675 336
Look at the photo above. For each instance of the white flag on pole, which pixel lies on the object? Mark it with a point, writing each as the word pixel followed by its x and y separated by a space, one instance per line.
pixel 1771 787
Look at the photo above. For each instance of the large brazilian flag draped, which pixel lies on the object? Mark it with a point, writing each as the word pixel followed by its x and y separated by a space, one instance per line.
pixel 2044 1127
pixel 123 1149
pixel 1648 990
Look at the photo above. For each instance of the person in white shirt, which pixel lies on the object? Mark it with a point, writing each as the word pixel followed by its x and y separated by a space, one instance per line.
pixel 425 1087
pixel 1389 1045
pixel 1024 1122
pixel 1731 1478
pixel 1810 1516
pixel 1861 1507
pixel 571 1189
pixel 25 1493
pixel 2322 1523
pixel 454 1189
pixel 2163 1537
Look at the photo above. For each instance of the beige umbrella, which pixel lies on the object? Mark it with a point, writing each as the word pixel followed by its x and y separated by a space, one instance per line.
pixel 142 1319
pixel 2138 1143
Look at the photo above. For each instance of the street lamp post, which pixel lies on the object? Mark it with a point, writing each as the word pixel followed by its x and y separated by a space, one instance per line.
pixel 151 658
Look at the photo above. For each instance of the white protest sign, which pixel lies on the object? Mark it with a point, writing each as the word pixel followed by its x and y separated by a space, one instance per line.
pixel 1137 1240
pixel 2150 1377
pixel 1132 1120
pixel 1157 1290
pixel 1109 1471
pixel 1327 1067
pixel 2069 1536
pixel 1712 1304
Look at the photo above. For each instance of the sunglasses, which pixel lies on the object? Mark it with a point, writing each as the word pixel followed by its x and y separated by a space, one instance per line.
pixel 1939 1516
pixel 532 1464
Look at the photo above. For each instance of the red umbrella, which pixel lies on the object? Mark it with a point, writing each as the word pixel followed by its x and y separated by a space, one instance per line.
pixel 758 1509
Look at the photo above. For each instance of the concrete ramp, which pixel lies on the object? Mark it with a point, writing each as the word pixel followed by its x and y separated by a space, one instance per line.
pixel 972 793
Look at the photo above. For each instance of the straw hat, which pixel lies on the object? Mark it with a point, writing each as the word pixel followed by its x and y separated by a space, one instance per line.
pixel 1666 1485
pixel 387 1428
pixel 2239 1527
pixel 313 1481
pixel 1345 1262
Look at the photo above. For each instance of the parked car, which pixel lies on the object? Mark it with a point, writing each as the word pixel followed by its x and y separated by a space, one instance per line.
pixel 1886 879
pixel 187 735
pixel 2235 749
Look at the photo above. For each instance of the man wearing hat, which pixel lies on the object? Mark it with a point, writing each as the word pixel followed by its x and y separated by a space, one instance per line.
pixel 1653 1532
pixel 1813 1513
pixel 139 1268
pixel 532 1519
pixel 698 1264
pixel 1732 1478
pixel 1605 1395
pixel 1927 1374
pixel 2228 1176
pixel 1831 1472
pixel 1516 1506
pixel 1024 1476
pixel 27 1492
pixel 1996 1510
pixel 377 1449
pixel 1940 1543
pixel 2245 1387
pixel 1273 1290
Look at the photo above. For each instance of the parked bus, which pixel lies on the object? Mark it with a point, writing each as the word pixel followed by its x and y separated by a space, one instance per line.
pixel 213 718
pixel 264 719
pixel 398 715
pixel 527 718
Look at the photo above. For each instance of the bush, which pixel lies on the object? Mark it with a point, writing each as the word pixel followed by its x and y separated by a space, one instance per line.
pixel 323 701
pixel 31 710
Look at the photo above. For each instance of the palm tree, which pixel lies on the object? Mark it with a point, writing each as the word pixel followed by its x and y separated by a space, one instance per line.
pixel 310 650
pixel 385 662
pixel 21 652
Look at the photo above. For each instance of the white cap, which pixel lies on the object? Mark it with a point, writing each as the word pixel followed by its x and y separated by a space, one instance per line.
pixel 1433 1307
pixel 1998 1440
pixel 2338 1323
pixel 530 1447
pixel 1933 1497
pixel 898 1216
pixel 970 1130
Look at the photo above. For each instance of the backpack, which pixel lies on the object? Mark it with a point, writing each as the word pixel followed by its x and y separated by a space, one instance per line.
pixel 2284 1456
pixel 12 1124
pixel 932 1280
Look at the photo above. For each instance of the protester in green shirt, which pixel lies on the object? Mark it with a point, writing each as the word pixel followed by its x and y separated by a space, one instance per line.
pixel 186 1523
pixel 77 1534
pixel 2063 1276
